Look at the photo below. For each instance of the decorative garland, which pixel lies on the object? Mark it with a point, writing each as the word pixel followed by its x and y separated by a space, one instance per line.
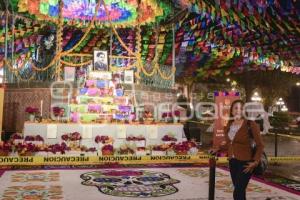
pixel 76 64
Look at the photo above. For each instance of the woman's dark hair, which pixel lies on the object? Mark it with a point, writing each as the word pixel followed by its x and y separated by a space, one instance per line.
pixel 231 109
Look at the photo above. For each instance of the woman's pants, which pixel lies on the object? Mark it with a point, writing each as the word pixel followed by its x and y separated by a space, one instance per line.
pixel 239 178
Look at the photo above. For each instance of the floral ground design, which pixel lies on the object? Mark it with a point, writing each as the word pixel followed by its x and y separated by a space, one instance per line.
pixel 131 183
pixel 291 184
pixel 226 186
pixel 33 192
pixel 198 172
pixel 38 176
pixel 185 183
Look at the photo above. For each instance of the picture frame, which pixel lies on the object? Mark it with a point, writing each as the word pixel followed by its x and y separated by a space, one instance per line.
pixel 129 77
pixel 100 62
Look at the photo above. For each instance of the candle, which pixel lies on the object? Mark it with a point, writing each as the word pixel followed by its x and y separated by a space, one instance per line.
pixel 41 107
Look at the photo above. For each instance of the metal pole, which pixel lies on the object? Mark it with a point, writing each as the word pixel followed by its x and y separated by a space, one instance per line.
pixel 11 78
pixel 276 144
pixel 110 47
pixel 212 178
pixel 6 42
pixel 173 54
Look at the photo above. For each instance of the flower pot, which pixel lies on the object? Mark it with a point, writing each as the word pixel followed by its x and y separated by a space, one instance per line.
pixel 31 118
pixel 175 120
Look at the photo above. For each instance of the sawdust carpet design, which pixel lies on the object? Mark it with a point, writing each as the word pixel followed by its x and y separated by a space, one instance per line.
pixel 128 184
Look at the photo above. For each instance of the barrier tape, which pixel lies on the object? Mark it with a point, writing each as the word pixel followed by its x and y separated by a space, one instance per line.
pixel 287 136
pixel 94 160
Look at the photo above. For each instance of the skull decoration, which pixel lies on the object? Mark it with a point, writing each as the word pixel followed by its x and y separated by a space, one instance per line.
pixel 131 183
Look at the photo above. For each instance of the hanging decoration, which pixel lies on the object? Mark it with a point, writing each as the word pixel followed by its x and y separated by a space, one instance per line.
pixel 213 38
pixel 78 12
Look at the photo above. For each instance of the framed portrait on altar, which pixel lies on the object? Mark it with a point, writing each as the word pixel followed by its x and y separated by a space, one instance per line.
pixel 100 60
pixel 129 76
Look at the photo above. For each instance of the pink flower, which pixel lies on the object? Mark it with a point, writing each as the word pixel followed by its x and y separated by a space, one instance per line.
pixel 31 110
pixel 65 137
pixel 177 113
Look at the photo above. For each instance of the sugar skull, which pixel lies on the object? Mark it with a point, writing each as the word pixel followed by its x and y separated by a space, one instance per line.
pixel 131 183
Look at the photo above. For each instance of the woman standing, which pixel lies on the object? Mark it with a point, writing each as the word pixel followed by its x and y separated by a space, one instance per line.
pixel 238 145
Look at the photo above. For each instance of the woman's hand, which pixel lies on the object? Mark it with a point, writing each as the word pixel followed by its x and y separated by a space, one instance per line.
pixel 250 167
pixel 213 151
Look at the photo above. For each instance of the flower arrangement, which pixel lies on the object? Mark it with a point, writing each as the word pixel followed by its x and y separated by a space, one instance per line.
pixel 168 138
pixel 26 149
pixel 75 136
pixel 177 113
pixel 159 150
pixel 103 139
pixel 135 138
pixel 182 148
pixel 107 150
pixel 165 115
pixel 170 115
pixel 37 138
pixel 16 136
pixel 32 111
pixel 58 111
pixel 5 148
pixel 58 148
pixel 126 149
pixel 138 141
pixel 65 137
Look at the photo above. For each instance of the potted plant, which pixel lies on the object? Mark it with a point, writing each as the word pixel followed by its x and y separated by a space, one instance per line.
pixel 176 116
pixel 32 113
pixel 58 112
pixel 72 140
pixel 103 139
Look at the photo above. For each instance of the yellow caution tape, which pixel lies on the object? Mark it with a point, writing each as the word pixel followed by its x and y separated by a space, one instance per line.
pixel 132 159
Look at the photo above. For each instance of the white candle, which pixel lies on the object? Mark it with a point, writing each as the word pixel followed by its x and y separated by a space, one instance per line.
pixel 41 107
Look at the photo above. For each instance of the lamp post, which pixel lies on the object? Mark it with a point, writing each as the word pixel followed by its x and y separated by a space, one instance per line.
pixel 256 97
pixel 280 104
